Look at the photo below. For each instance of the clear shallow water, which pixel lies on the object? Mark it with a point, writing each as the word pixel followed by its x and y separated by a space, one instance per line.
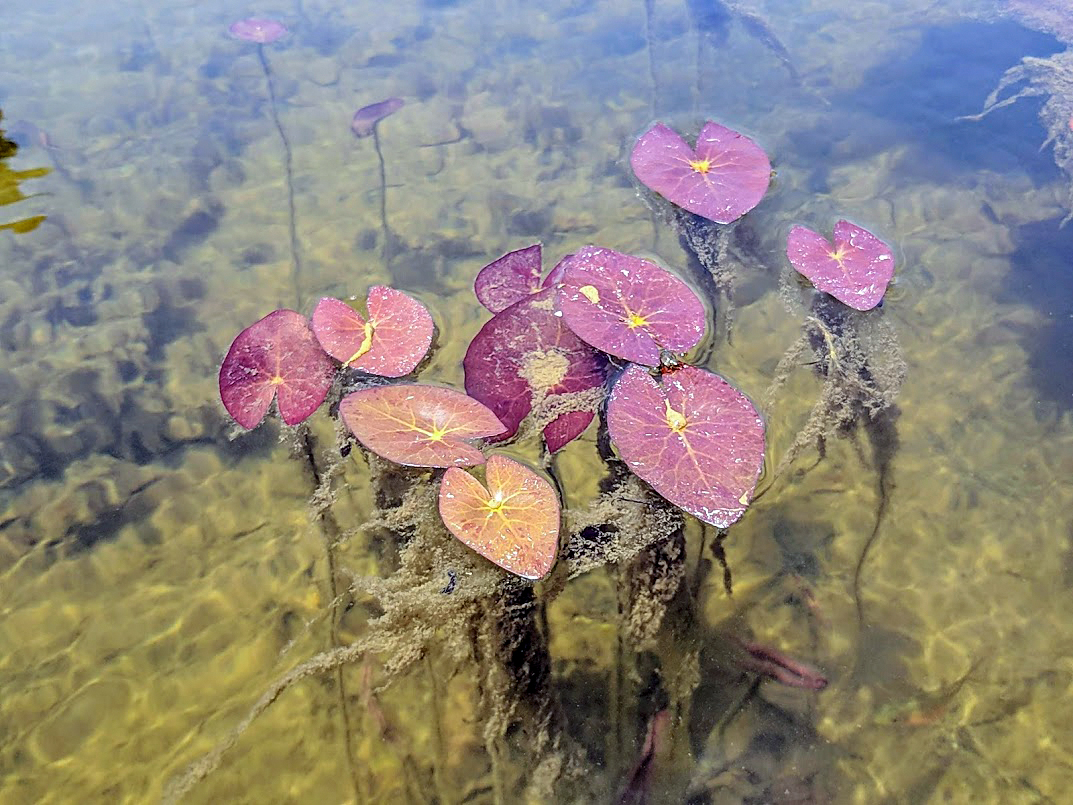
pixel 158 576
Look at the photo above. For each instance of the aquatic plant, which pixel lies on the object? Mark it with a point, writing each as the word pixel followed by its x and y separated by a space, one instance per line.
pixel 391 343
pixel 9 186
pixel 602 336
pixel 264 32
pixel 364 124
pixel 695 438
pixel 276 357
pixel 855 269
pixel 526 357
pixel 721 178
pixel 514 521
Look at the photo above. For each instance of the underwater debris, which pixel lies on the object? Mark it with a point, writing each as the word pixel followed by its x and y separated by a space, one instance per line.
pixel 1050 78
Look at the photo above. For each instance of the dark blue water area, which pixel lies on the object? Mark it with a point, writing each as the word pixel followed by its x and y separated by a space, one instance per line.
pixel 916 101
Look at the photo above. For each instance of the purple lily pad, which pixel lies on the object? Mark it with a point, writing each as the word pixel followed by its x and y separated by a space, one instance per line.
pixel 366 118
pixel 855 270
pixel 390 344
pixel 628 307
pixel 509 279
pixel 723 178
pixel 418 425
pixel 694 438
pixel 526 353
pixel 277 356
pixel 256 29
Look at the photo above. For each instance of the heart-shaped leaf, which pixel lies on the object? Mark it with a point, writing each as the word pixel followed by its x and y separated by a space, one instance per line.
pixel 509 279
pixel 514 522
pixel 391 343
pixel 694 438
pixel 418 425
pixel 277 356
pixel 526 353
pixel 627 306
pixel 723 178
pixel 855 270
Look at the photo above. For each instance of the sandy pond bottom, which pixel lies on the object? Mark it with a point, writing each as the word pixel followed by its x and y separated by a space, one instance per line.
pixel 186 573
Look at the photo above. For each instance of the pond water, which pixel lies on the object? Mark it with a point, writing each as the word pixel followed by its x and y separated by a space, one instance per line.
pixel 160 570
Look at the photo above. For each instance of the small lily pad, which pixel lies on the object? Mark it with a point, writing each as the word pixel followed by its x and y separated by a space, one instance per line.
pixel 693 437
pixel 256 29
pixel 721 179
pixel 629 307
pixel 855 270
pixel 419 425
pixel 514 521
pixel 390 344
pixel 279 357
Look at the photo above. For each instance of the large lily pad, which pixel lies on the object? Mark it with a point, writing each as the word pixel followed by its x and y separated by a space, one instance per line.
pixel 721 179
pixel 391 343
pixel 419 425
pixel 279 357
pixel 628 306
pixel 526 353
pixel 855 270
pixel 514 521
pixel 693 437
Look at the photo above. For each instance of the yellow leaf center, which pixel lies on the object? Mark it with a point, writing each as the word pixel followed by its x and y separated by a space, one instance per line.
pixel 634 321
pixel 701 165
pixel 674 419
pixel 366 344
pixel 277 381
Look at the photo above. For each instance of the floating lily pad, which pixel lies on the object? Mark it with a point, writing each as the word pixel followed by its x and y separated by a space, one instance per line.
pixel 525 352
pixel 255 29
pixel 509 279
pixel 391 343
pixel 277 356
pixel 514 522
pixel 628 307
pixel 418 425
pixel 366 118
pixel 721 179
pixel 855 270
pixel 693 437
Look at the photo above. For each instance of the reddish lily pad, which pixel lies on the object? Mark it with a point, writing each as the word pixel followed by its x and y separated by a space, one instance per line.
pixel 366 118
pixel 509 279
pixel 526 353
pixel 390 344
pixel 694 438
pixel 629 307
pixel 723 178
pixel 855 270
pixel 255 29
pixel 418 425
pixel 277 356
pixel 514 521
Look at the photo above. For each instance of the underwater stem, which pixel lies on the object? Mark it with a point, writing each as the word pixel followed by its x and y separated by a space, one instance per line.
pixel 295 257
pixel 385 232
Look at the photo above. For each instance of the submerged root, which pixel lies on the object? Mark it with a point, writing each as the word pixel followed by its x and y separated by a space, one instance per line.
pixel 1052 78
pixel 860 361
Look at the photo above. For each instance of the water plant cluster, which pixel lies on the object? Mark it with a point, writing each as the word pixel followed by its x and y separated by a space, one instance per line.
pixel 602 335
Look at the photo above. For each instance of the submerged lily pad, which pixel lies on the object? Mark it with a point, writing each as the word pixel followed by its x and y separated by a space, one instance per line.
pixel 526 353
pixel 277 356
pixel 855 270
pixel 721 179
pixel 255 29
pixel 627 306
pixel 391 343
pixel 514 521
pixel 418 425
pixel 694 438
pixel 366 118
